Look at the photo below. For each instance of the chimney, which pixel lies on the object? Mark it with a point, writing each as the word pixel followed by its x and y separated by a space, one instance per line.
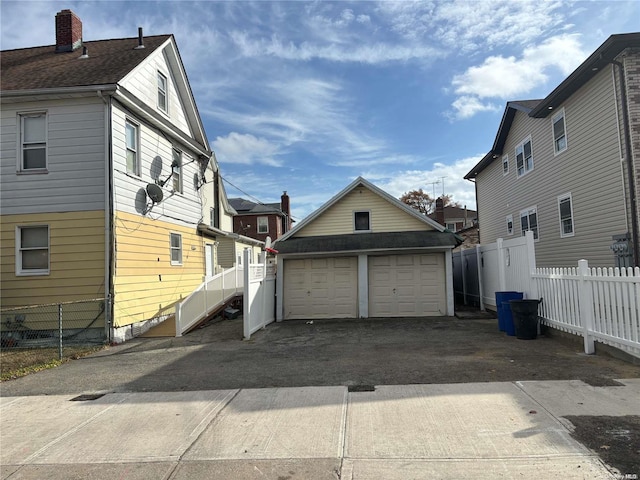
pixel 286 209
pixel 68 31
pixel 440 211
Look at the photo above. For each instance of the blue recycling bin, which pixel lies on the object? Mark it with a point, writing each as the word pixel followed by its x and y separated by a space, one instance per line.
pixel 505 319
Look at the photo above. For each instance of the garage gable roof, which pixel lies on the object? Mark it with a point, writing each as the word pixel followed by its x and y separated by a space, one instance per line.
pixel 361 182
pixel 356 242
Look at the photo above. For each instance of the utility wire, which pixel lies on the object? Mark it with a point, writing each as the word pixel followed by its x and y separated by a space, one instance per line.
pixel 247 194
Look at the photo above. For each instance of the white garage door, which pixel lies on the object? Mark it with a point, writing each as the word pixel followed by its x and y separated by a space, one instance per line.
pixel 321 288
pixel 407 285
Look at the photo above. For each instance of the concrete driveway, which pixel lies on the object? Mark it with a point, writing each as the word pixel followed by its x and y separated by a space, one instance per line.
pixel 325 353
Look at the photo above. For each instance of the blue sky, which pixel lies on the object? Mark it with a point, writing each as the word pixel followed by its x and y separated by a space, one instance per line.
pixel 306 96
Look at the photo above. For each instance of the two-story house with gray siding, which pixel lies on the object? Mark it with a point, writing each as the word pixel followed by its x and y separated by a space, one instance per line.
pixel 566 167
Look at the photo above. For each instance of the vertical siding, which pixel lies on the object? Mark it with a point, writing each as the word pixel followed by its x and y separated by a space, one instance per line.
pixel 589 169
pixel 385 217
pixel 75 158
pixel 145 282
pixel 142 82
pixel 156 157
pixel 76 255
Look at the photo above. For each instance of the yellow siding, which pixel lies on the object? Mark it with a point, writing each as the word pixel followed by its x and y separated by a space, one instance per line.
pixel 385 217
pixel 146 285
pixel 76 256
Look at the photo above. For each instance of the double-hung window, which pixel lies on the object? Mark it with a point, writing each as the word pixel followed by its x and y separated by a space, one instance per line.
pixel 33 140
pixel 559 132
pixel 529 221
pixel 263 225
pixel 133 151
pixel 524 157
pixel 362 221
pixel 565 209
pixel 176 171
pixel 509 224
pixel 162 93
pixel 32 250
pixel 505 165
pixel 175 240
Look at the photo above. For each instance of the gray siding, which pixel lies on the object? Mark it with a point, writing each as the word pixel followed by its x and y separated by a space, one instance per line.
pixel 75 180
pixel 589 169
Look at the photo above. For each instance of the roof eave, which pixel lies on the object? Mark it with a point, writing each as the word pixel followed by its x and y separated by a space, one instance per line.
pixel 110 87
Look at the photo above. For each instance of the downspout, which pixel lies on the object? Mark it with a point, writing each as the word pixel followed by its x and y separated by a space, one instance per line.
pixel 629 158
pixel 108 220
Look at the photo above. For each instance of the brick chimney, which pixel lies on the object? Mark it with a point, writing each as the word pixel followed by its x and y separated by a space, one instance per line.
pixel 440 211
pixel 285 206
pixel 68 31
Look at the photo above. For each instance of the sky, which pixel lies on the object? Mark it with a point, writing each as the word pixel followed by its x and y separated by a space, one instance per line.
pixel 307 96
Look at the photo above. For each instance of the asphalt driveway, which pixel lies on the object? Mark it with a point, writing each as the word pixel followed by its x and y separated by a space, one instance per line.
pixel 325 353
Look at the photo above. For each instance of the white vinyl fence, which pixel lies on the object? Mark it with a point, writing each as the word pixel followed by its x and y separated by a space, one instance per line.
pixel 208 297
pixel 601 304
pixel 259 306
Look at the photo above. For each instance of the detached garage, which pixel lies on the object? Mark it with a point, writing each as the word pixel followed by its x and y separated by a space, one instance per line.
pixel 365 254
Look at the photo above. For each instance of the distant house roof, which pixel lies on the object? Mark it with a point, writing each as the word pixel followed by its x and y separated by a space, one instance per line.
pixel 607 52
pixel 456 212
pixel 247 207
pixel 108 62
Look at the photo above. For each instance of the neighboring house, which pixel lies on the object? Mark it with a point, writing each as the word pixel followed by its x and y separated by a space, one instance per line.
pixel 365 254
pixel 454 218
pixel 470 236
pixel 566 167
pixel 262 220
pixel 103 157
pixel 223 247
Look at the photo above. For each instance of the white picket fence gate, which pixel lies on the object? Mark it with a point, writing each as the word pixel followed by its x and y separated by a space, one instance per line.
pixel 208 297
pixel 259 303
pixel 598 303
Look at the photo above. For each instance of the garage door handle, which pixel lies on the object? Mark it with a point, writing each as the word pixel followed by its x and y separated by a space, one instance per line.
pixel 308 292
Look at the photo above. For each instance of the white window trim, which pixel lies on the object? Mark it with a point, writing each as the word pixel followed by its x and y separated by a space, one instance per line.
pixel 509 219
pixel 166 92
pixel 212 216
pixel 524 163
pixel 505 160
pixel 126 148
pixel 258 225
pixel 20 157
pixel 180 171
pixel 354 221
pixel 553 138
pixel 573 223
pixel 172 248
pixel 526 212
pixel 31 272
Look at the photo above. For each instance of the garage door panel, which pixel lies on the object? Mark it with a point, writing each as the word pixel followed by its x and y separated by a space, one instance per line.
pixel 407 285
pixel 320 288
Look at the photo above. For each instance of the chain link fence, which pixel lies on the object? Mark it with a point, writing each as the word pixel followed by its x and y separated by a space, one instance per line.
pixel 57 326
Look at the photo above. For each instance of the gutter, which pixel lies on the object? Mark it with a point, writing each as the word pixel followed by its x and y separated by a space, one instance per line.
pixel 629 158
pixel 203 228
pixel 59 91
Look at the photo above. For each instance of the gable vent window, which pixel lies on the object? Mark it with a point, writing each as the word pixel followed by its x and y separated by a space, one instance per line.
pixel 162 92
pixel 362 221
pixel 505 165
pixel 559 133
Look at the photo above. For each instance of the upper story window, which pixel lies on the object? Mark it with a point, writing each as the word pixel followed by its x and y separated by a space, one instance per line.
pixel 451 227
pixel 559 132
pixel 509 224
pixel 212 217
pixel 524 157
pixel 505 164
pixel 133 153
pixel 162 93
pixel 362 221
pixel 565 209
pixel 175 247
pixel 263 225
pixel 176 170
pixel 529 221
pixel 32 250
pixel 33 142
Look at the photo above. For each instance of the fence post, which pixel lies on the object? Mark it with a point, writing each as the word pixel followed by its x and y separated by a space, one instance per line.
pixel 502 277
pixel 480 286
pixel 464 277
pixel 586 306
pixel 531 256
pixel 60 331
pixel 246 303
pixel 178 319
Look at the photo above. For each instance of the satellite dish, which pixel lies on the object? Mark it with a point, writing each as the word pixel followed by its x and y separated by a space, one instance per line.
pixel 155 193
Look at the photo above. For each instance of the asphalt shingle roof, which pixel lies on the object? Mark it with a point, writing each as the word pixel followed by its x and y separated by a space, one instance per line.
pixel 41 67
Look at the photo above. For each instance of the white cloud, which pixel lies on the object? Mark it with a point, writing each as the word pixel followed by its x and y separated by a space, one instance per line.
pixel 245 149
pixel 508 78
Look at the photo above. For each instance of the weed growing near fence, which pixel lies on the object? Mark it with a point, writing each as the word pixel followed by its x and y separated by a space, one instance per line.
pixel 15 363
